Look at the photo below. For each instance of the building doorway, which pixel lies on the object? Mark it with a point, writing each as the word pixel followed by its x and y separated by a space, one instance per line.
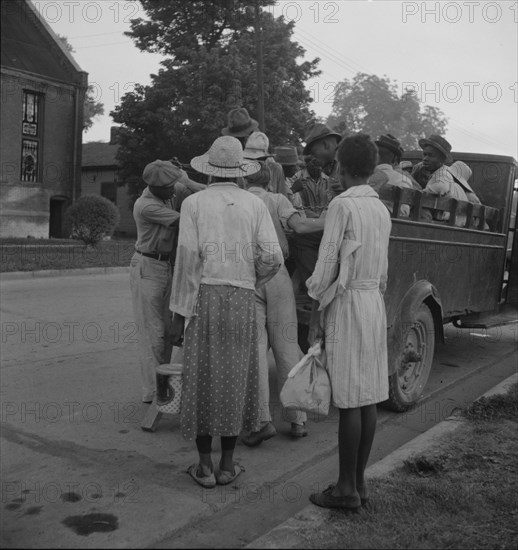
pixel 58 205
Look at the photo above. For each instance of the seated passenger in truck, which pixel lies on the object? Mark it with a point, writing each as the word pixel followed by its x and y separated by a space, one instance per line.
pixel 461 173
pixel 436 154
pixel 385 174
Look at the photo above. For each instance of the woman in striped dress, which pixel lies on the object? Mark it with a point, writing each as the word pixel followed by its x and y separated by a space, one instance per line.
pixel 348 282
pixel 227 247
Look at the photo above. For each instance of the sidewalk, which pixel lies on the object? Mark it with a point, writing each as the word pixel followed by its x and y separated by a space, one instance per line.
pixel 287 535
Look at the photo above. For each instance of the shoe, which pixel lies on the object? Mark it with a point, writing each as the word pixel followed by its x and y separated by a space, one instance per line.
pixel 224 477
pixel 256 438
pixel 325 499
pixel 298 430
pixel 209 482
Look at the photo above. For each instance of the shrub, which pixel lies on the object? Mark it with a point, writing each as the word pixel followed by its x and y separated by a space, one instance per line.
pixel 91 218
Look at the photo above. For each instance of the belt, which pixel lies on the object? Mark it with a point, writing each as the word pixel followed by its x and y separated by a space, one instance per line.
pixel 160 257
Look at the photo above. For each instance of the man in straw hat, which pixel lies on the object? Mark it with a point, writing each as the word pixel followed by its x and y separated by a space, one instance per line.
pixel 156 214
pixel 227 247
pixel 385 174
pixel 276 311
pixel 461 173
pixel 256 148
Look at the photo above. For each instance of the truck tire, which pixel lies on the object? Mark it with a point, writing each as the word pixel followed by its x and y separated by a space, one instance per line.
pixel 413 359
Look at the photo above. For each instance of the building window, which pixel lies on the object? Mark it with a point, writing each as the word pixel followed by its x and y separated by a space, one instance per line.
pixel 31 127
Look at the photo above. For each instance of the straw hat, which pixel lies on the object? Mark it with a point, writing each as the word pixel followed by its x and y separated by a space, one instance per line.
pixel 225 160
pixel 257 146
pixel 461 172
pixel 239 123
pixel 161 173
pixel 439 143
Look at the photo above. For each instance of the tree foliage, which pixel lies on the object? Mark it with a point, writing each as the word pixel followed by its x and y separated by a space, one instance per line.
pixel 372 105
pixel 91 107
pixel 210 69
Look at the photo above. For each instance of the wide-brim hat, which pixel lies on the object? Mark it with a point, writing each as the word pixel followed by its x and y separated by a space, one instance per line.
pixel 162 173
pixel 225 159
pixel 239 123
pixel 257 146
pixel 404 164
pixel 461 172
pixel 388 141
pixel 317 132
pixel 439 143
pixel 286 155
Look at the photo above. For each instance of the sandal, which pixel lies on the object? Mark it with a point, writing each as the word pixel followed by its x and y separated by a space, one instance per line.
pixel 209 482
pixel 224 477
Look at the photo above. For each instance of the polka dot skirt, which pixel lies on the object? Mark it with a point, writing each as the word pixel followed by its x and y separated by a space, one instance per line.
pixel 220 393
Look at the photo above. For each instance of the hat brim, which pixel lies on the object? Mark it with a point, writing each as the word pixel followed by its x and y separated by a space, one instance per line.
pixel 307 148
pixel 241 133
pixel 201 164
pixel 424 141
pixel 257 155
pixel 461 181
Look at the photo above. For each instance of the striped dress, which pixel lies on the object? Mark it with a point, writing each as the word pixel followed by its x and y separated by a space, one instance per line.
pixel 349 279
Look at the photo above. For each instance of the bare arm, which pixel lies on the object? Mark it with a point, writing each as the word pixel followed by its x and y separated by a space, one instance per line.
pixel 302 225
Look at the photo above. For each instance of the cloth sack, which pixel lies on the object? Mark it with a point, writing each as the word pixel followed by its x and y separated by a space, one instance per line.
pixel 307 387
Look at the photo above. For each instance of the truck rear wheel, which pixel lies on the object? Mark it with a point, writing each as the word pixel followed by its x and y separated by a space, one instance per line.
pixel 413 361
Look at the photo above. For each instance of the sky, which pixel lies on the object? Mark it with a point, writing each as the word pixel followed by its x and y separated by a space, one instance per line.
pixel 461 57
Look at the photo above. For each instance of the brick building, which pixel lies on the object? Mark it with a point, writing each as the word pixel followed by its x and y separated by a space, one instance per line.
pixel 100 177
pixel 43 92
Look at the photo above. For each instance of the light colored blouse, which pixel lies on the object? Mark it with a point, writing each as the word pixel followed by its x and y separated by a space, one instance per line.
pixel 226 237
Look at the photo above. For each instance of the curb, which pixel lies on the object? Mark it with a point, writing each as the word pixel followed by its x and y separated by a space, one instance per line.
pixel 287 534
pixel 19 275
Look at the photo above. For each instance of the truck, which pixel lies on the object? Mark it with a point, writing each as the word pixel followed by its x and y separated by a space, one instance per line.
pixel 443 273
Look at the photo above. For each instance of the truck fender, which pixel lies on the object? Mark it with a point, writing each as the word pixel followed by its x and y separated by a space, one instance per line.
pixel 420 292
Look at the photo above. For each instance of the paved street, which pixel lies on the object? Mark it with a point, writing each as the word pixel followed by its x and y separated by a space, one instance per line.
pixel 74 459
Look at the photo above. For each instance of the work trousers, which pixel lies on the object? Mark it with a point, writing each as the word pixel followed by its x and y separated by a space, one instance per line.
pixel 276 317
pixel 150 283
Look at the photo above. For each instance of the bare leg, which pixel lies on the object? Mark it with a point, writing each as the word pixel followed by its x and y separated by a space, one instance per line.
pixel 368 419
pixel 349 437
pixel 204 445
pixel 228 445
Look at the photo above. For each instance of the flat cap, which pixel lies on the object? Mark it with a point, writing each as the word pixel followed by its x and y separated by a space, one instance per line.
pixel 161 173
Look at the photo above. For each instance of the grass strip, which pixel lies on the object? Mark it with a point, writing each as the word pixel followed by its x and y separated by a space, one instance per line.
pixel 464 494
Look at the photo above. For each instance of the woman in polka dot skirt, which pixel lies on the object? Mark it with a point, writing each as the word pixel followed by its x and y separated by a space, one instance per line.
pixel 227 246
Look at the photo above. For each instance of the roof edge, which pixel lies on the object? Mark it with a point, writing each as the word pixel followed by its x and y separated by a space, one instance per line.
pixel 53 36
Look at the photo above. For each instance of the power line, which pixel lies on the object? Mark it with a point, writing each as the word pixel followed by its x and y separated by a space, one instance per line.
pixel 91 35
pixel 99 45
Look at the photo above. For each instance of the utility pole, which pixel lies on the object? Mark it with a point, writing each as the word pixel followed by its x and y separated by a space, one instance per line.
pixel 259 63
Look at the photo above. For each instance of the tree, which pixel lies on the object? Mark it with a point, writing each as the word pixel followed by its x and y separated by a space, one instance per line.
pixel 372 105
pixel 91 107
pixel 210 68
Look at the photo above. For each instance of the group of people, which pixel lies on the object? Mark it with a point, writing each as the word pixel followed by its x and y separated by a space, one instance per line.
pixel 211 273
